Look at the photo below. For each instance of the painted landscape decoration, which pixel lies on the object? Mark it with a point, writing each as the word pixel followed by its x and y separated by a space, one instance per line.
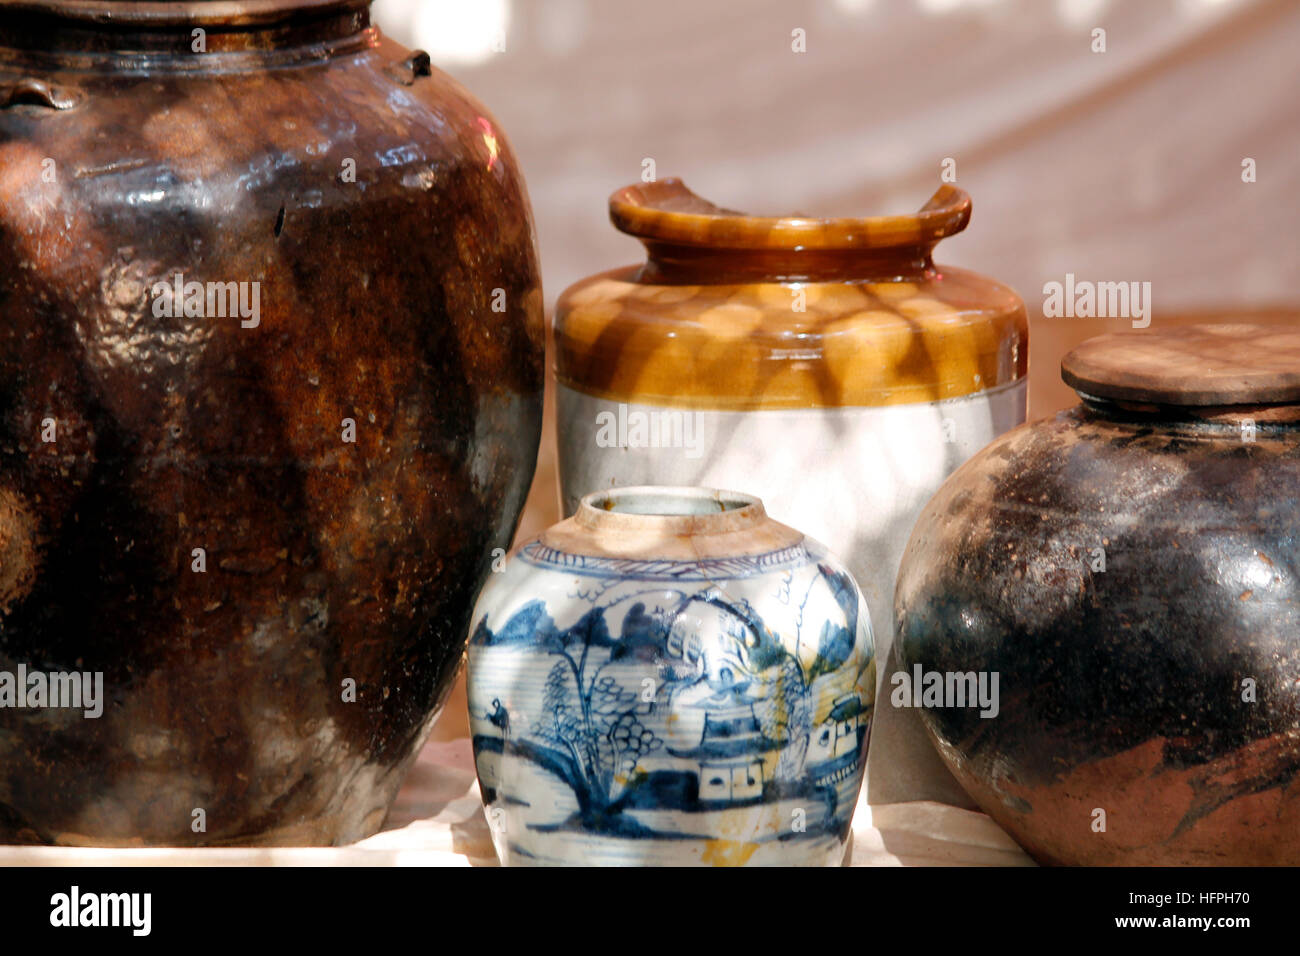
pixel 666 702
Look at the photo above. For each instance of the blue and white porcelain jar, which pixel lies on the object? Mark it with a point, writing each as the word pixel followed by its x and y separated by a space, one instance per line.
pixel 670 677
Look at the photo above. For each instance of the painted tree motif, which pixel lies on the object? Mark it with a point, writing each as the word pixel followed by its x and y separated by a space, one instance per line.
pixel 592 718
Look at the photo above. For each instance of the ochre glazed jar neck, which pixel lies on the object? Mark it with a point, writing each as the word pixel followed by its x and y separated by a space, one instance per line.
pixel 127 34
pixel 690 241
pixel 675 264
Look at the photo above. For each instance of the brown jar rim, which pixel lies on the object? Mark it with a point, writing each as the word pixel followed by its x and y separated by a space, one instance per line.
pixel 667 212
pixel 143 37
pixel 166 13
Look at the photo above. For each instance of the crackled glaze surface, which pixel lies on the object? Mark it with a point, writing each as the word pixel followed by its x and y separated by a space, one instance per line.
pixel 379 208
pixel 656 690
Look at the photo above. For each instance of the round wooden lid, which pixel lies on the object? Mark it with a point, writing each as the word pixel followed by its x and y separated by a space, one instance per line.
pixel 1194 365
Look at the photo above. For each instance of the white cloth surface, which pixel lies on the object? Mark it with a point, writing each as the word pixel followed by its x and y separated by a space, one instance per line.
pixel 438 821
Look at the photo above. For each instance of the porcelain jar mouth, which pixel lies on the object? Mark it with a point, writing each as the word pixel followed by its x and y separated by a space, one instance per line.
pixel 670 511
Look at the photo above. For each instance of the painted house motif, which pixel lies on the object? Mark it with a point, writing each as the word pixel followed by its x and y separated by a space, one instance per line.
pixel 836 742
pixel 730 757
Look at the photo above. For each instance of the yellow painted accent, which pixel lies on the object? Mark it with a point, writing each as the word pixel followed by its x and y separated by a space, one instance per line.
pixel 728 853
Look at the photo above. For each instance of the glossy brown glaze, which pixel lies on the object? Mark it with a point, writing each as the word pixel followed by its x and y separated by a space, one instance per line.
pixel 1131 574
pixel 404 298
pixel 731 311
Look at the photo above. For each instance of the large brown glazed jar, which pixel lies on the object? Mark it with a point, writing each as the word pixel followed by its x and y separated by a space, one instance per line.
pixel 828 366
pixel 270 395
pixel 1130 571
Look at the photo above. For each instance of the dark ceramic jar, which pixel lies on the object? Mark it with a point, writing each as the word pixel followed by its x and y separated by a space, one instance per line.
pixel 1128 570
pixel 259 510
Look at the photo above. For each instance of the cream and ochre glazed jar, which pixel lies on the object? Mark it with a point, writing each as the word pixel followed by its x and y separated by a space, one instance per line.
pixel 825 365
